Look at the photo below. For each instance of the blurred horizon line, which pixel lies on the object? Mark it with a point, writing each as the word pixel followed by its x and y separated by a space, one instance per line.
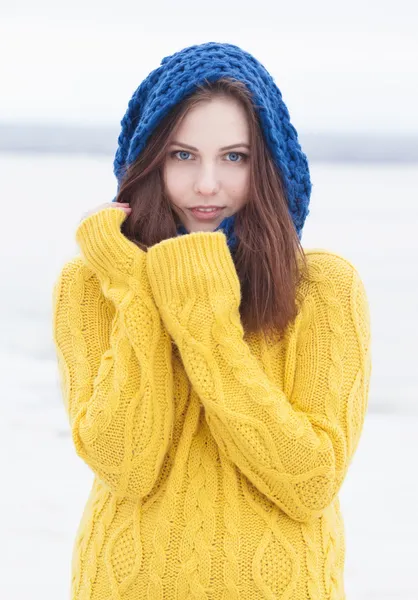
pixel 80 138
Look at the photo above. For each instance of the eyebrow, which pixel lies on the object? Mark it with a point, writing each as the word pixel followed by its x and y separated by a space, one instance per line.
pixel 239 144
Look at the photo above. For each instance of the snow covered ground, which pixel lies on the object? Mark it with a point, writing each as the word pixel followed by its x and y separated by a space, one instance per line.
pixel 366 213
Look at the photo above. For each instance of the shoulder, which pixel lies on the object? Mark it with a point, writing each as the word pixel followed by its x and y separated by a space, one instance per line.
pixel 330 269
pixel 335 282
pixel 76 277
pixel 330 264
pixel 76 266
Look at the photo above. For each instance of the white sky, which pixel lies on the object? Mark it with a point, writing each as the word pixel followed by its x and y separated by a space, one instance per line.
pixel 342 67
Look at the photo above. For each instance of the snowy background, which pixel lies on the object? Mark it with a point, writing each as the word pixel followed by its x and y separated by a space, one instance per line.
pixel 342 69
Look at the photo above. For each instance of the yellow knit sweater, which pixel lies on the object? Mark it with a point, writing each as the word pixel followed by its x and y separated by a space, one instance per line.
pixel 218 456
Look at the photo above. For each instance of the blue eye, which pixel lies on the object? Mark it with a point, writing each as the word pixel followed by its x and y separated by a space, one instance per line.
pixel 181 153
pixel 238 155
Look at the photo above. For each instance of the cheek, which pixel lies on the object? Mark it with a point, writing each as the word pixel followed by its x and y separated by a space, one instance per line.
pixel 238 185
pixel 175 181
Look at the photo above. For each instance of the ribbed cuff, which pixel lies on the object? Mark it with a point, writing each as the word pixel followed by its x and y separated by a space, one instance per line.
pixel 194 265
pixel 105 247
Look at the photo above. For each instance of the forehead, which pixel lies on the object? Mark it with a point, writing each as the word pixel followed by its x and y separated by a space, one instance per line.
pixel 219 119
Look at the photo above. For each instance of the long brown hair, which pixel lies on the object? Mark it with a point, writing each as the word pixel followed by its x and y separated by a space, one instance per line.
pixel 269 259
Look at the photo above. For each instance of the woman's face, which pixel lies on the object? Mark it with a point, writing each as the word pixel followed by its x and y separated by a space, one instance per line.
pixel 207 163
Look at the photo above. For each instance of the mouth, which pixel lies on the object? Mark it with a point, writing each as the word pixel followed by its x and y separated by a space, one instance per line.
pixel 207 214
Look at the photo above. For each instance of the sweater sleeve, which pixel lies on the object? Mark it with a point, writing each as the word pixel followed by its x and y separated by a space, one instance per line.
pixel 114 358
pixel 295 450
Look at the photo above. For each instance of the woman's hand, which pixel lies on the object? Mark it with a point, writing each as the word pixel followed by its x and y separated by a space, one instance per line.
pixel 123 205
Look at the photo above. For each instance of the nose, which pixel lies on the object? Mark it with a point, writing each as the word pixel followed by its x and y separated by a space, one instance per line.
pixel 206 183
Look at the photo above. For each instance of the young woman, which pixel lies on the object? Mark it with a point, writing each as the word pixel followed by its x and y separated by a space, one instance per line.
pixel 215 374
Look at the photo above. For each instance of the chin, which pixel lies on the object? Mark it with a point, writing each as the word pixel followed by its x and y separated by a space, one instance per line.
pixel 202 227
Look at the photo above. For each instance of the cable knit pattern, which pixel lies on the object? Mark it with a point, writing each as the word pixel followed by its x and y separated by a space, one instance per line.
pixel 231 534
pixel 217 458
pixel 120 411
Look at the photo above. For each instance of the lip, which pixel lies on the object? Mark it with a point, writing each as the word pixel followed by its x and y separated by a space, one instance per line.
pixel 202 216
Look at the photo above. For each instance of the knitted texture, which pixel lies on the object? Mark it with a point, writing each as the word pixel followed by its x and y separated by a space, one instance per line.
pixel 177 78
pixel 227 226
pixel 217 456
